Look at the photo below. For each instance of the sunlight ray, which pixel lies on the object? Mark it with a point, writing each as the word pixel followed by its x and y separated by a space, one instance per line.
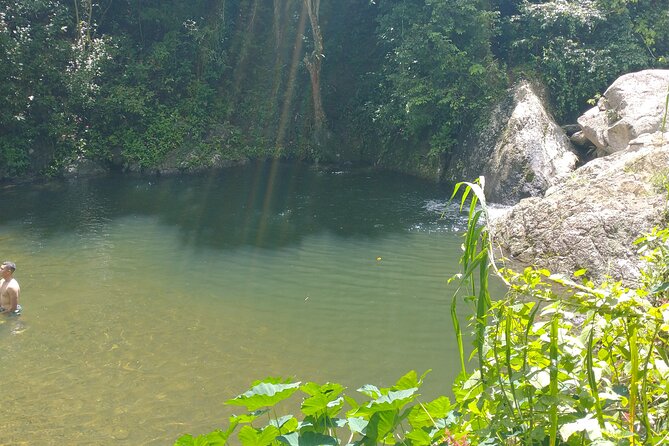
pixel 242 60
pixel 290 87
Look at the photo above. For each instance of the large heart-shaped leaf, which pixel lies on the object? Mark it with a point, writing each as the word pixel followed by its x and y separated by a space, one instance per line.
pixel 425 414
pixel 249 436
pixel 307 439
pixel 324 399
pixel 265 393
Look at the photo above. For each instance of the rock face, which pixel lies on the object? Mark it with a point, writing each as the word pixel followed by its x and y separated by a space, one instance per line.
pixel 521 153
pixel 633 105
pixel 591 219
pixel 82 167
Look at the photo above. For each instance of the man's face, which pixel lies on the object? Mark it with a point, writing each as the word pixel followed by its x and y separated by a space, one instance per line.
pixel 5 272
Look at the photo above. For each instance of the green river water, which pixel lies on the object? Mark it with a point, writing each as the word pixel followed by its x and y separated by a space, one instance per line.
pixel 148 302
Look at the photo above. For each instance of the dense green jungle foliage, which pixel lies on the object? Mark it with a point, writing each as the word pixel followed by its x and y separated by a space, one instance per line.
pixel 557 361
pixel 149 84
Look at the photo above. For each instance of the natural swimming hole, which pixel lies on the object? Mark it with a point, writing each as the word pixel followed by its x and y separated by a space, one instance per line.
pixel 148 302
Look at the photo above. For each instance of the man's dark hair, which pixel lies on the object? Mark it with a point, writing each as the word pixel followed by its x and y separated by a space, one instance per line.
pixel 10 265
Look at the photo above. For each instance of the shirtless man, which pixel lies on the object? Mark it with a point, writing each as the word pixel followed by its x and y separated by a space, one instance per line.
pixel 9 290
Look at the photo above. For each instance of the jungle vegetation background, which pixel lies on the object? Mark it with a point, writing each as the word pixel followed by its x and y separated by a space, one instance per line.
pixel 134 84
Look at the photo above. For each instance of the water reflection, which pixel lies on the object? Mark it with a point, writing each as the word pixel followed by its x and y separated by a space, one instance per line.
pixel 257 205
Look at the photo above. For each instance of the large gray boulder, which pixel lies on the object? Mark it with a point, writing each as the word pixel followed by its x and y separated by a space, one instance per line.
pixel 522 151
pixel 592 219
pixel 633 105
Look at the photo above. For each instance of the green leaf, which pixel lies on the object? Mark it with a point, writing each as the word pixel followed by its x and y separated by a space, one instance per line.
pixel 185 440
pixel 425 414
pixel 215 438
pixel 337 422
pixel 307 439
pixel 291 439
pixel 324 399
pixel 380 425
pixel 286 423
pixel 265 393
pixel 476 69
pixel 391 401
pixel 370 390
pixel 588 425
pixel 410 380
pixel 247 417
pixel 419 437
pixel 249 436
pixel 357 424
pixel 660 288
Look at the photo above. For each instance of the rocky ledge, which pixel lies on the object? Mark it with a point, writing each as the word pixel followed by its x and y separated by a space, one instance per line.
pixel 592 218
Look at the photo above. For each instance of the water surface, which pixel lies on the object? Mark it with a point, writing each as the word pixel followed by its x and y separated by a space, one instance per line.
pixel 150 301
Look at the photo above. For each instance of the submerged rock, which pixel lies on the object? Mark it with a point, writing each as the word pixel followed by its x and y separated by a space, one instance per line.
pixel 592 219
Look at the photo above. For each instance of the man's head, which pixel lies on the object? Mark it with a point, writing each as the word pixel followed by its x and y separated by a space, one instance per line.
pixel 7 269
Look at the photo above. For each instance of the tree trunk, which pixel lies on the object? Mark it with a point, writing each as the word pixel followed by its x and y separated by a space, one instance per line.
pixel 314 62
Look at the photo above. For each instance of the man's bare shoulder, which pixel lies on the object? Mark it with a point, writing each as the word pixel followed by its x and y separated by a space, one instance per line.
pixel 12 284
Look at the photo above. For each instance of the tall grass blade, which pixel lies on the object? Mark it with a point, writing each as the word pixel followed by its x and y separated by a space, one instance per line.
pixel 458 333
pixel 530 322
pixel 482 307
pixel 666 108
pixel 553 411
pixel 507 335
pixel 634 375
pixel 477 256
pixel 591 376
pixel 644 385
pixel 471 259
pixel 500 375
